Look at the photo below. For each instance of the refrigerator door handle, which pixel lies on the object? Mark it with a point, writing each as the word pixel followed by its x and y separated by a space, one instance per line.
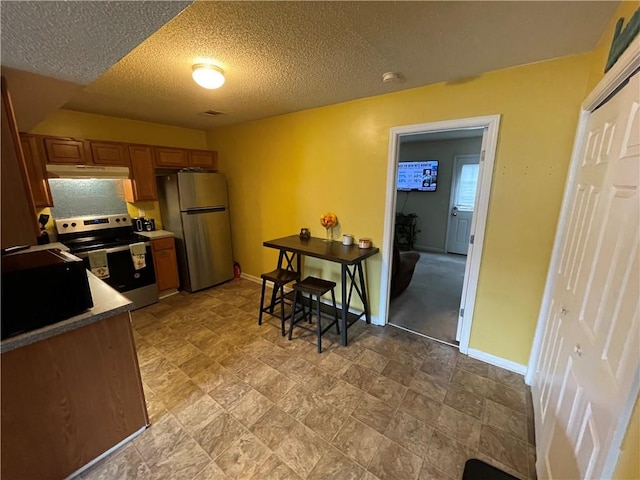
pixel 195 210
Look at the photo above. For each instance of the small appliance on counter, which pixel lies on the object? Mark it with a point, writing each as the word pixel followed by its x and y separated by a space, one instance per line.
pixel 42 288
pixel 142 224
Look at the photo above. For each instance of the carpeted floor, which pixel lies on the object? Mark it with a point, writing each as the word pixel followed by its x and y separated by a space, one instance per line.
pixel 430 304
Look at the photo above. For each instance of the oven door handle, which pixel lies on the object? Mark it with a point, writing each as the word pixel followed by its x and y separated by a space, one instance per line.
pixel 109 250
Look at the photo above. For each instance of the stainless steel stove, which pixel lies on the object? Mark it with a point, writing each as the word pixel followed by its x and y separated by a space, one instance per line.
pixel 114 234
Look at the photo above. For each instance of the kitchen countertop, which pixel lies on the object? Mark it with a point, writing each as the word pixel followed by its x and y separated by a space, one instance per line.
pixel 156 234
pixel 36 248
pixel 107 302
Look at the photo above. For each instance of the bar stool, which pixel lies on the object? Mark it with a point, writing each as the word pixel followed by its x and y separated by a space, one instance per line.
pixel 279 277
pixel 317 287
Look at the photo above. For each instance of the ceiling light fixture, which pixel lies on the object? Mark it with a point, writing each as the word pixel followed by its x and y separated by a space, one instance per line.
pixel 208 76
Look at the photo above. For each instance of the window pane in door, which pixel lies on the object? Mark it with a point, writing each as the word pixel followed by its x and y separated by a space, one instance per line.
pixel 467 183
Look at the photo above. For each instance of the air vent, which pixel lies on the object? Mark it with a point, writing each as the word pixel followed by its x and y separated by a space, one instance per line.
pixel 211 113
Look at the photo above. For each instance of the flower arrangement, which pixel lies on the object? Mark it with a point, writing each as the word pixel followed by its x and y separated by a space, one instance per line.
pixel 328 221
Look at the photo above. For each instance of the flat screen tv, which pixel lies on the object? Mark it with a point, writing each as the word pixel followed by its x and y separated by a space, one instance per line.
pixel 419 176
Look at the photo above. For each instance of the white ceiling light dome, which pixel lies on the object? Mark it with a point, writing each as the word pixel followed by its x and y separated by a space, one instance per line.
pixel 208 76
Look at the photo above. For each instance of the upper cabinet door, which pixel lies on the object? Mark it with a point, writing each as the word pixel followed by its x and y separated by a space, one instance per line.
pixel 171 157
pixel 65 151
pixel 203 159
pixel 34 160
pixel 108 153
pixel 142 185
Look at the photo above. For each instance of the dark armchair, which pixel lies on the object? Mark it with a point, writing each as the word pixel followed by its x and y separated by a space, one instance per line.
pixel 402 267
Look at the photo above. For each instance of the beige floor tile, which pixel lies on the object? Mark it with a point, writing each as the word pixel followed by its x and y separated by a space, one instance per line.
pixel 357 441
pixel 505 448
pixel 421 407
pixel 449 455
pixel 388 391
pixel 372 360
pixel 428 386
pixel 301 449
pixel 125 463
pixel 459 426
pixel 374 412
pixel 218 434
pixel 359 376
pixel 410 433
pixel 301 415
pixel 464 401
pixel 244 457
pixel 335 466
pixel 505 419
pixel 399 372
pixel 395 462
pixel 275 469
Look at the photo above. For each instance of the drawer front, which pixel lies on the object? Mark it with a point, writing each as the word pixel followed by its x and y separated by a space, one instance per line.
pixel 162 243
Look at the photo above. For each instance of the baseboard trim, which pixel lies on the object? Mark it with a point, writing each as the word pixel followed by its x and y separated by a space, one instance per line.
pixel 497 361
pixel 251 278
pixel 107 453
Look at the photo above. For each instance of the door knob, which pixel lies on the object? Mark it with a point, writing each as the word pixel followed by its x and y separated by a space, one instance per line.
pixel 454 211
pixel 578 350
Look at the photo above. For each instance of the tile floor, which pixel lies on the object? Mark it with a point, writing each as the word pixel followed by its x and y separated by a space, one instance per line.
pixel 229 399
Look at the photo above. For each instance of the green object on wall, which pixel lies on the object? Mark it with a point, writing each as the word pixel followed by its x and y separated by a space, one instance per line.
pixel 622 38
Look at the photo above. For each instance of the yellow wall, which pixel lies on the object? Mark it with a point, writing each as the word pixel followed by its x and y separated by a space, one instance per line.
pixel 102 127
pixel 285 171
pixel 628 467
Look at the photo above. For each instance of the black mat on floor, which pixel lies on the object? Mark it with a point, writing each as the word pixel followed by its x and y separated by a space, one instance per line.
pixel 475 469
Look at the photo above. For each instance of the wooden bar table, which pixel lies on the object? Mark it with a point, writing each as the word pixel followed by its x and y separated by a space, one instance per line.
pixel 350 257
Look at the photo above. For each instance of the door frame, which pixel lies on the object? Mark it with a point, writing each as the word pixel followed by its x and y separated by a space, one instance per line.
pixel 491 124
pixel 628 62
pixel 456 159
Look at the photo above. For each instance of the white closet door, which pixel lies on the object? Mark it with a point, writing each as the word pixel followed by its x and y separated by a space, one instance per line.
pixel 590 353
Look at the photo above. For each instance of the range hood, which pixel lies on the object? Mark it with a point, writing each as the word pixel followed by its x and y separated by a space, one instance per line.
pixel 86 171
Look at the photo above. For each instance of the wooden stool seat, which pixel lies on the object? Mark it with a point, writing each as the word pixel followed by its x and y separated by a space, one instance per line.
pixel 317 287
pixel 279 277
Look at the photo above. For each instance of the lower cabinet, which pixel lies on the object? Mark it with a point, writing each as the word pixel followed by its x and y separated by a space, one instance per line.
pixel 165 262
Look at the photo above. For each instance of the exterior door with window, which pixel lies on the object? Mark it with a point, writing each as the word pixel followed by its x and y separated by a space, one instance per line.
pixel 463 196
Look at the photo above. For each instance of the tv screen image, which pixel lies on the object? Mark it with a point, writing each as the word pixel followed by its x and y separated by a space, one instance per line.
pixel 419 176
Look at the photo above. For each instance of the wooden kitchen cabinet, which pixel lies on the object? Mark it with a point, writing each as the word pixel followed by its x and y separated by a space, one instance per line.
pixel 165 262
pixel 171 157
pixel 34 160
pixel 69 398
pixel 142 185
pixel 110 153
pixel 207 159
pixel 19 225
pixel 67 151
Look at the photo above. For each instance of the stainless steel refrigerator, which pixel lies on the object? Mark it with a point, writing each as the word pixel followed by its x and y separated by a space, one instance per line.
pixel 194 206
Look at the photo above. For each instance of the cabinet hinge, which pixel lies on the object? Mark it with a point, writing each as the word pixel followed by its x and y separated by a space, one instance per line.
pixel 472 238
pixel 462 312
pixel 482 156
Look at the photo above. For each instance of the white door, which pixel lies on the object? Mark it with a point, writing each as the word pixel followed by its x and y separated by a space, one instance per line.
pixel 590 353
pixel 463 195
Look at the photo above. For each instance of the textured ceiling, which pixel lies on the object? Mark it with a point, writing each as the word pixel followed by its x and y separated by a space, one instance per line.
pixel 77 41
pixel 281 57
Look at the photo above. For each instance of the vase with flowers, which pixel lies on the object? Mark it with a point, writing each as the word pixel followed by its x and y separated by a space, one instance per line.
pixel 328 221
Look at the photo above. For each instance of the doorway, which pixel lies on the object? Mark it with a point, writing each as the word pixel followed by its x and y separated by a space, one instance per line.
pixel 485 130
pixel 440 213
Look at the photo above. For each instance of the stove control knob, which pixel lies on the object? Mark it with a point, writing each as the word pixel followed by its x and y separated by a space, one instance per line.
pixel 65 225
pixel 118 220
pixel 73 224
